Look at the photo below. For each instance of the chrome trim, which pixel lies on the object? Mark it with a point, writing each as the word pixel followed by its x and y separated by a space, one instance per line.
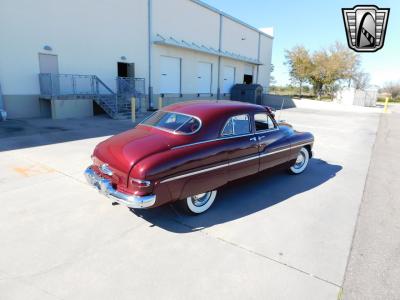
pixel 233 134
pixel 174 131
pixel 212 140
pixel 104 186
pixel 303 144
pixel 104 168
pixel 243 160
pixel 143 182
pixel 276 124
pixel 274 152
pixel 223 165
pixel 195 173
pixel 267 130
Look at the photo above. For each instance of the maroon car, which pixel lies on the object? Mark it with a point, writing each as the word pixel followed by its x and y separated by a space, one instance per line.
pixel 186 151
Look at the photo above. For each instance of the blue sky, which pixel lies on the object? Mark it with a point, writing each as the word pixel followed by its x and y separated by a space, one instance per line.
pixel 317 24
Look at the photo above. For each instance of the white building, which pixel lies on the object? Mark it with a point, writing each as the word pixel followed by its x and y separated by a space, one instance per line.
pixel 182 48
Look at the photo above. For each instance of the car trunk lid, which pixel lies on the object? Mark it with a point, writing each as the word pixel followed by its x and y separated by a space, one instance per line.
pixel 124 150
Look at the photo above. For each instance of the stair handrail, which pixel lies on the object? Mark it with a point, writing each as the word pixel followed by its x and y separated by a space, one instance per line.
pixel 104 85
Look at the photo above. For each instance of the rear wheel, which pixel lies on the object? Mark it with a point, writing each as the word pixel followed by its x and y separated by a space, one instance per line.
pixel 198 204
pixel 301 162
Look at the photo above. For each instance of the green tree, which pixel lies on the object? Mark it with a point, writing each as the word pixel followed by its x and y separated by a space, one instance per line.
pixel 299 62
pixel 323 68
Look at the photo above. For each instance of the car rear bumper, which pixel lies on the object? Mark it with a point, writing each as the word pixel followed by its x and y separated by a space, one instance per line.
pixel 105 187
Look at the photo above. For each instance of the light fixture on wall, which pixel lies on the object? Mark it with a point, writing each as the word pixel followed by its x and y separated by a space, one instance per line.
pixel 47 48
pixel 243 38
pixel 123 57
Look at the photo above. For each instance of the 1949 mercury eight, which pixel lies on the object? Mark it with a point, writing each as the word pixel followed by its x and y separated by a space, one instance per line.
pixel 187 151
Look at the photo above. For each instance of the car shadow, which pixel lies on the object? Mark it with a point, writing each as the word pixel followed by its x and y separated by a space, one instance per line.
pixel 244 197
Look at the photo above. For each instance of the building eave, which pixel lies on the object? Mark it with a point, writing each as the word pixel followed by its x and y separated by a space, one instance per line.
pixel 172 42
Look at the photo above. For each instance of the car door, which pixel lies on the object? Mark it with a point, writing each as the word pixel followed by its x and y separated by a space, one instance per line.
pixel 274 149
pixel 242 147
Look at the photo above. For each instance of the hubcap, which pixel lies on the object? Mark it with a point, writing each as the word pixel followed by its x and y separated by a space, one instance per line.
pixel 301 159
pixel 200 199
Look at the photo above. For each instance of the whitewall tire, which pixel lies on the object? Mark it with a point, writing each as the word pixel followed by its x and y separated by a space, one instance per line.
pixel 198 204
pixel 301 162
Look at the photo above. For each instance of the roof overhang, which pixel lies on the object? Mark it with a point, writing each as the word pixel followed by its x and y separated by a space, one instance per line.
pixel 160 40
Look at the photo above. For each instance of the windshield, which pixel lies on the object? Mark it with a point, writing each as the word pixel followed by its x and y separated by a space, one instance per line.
pixel 175 122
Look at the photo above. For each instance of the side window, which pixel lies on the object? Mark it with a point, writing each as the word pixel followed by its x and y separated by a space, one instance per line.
pixel 263 122
pixel 237 125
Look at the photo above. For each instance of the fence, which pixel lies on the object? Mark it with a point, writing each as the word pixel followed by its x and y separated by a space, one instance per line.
pixel 351 96
pixel 76 86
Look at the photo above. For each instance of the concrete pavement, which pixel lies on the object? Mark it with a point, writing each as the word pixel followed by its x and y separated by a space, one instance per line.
pixel 269 236
pixel 374 266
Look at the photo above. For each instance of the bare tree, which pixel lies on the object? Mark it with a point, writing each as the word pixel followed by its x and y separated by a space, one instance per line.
pixel 393 88
pixel 361 80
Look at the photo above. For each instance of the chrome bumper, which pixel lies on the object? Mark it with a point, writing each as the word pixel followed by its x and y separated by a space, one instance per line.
pixel 104 187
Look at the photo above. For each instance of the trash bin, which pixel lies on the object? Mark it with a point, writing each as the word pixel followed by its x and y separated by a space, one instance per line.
pixel 251 93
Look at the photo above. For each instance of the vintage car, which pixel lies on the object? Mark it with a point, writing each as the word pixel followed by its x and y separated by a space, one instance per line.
pixel 186 151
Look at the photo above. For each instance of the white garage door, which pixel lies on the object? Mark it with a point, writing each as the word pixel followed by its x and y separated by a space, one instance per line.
pixel 170 81
pixel 204 78
pixel 229 79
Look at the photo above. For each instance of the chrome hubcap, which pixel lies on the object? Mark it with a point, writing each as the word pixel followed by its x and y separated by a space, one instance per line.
pixel 200 199
pixel 300 161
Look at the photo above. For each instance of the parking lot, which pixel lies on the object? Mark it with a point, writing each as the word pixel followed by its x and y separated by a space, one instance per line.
pixel 272 236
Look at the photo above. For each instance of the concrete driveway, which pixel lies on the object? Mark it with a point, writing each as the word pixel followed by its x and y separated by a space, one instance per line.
pixel 267 237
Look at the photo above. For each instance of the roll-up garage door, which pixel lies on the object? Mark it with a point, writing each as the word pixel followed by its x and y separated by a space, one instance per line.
pixel 229 79
pixel 204 78
pixel 170 81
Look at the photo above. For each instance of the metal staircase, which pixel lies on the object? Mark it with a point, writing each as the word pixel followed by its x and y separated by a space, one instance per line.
pixel 71 86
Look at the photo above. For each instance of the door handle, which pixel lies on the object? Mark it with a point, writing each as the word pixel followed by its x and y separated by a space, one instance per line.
pixel 253 139
pixel 261 137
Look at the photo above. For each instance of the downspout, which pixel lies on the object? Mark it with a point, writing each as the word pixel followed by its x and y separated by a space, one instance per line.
pixel 150 46
pixel 219 58
pixel 258 56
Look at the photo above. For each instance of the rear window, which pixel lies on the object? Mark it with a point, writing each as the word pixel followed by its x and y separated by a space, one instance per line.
pixel 174 122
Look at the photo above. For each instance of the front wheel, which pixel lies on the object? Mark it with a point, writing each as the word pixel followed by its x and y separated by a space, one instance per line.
pixel 301 162
pixel 198 204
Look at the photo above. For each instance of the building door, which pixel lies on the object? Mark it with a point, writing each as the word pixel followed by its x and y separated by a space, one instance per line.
pixel 248 74
pixel 229 79
pixel 48 63
pixel 204 71
pixel 126 69
pixel 170 78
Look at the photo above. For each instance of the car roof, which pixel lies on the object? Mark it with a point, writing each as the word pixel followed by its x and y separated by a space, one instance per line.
pixel 208 110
